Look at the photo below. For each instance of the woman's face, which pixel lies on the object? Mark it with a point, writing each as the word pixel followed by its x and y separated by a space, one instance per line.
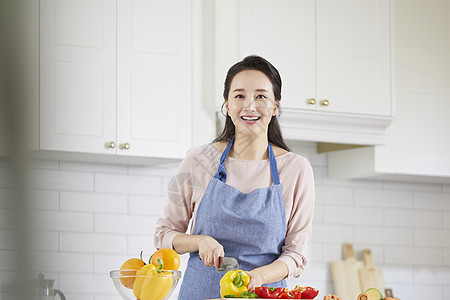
pixel 251 102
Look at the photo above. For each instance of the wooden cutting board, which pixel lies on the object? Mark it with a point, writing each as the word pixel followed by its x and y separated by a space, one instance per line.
pixel 345 274
pixel 369 276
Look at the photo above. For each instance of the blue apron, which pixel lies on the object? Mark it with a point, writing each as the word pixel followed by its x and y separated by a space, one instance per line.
pixel 250 227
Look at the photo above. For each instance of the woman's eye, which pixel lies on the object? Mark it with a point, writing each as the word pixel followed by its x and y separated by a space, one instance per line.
pixel 239 96
pixel 261 97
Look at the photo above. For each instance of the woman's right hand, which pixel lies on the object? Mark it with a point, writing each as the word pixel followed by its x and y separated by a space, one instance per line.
pixel 210 251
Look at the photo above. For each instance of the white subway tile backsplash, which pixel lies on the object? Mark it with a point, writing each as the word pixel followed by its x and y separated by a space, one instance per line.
pixel 394 274
pixel 418 291
pixel 413 256
pixel 131 224
pixel 352 183
pixel 318 214
pixel 319 175
pixel 7 219
pixel 42 199
pixel 79 296
pixel 384 235
pixel 446 217
pixel 435 275
pixel 8 260
pixel 86 283
pixel 138 243
pixel 127 184
pixel 383 198
pixel 6 178
pixel 93 202
pixel 43 164
pixel 8 239
pixel 436 201
pixel 166 170
pixel 107 297
pixel 412 186
pixel 62 221
pixel 315 271
pixel 62 262
pixel 88 218
pixel 412 218
pixel 105 263
pixel 44 240
pixel 147 205
pixel 353 215
pixel 447 256
pixel 92 242
pixel 332 233
pixel 7 198
pixel 60 180
pixel 433 237
pixel 315 252
pixel 333 251
pixel 93 167
pixel 334 195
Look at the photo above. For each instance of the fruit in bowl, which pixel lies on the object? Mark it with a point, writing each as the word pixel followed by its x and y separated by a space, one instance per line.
pixel 154 286
pixel 137 280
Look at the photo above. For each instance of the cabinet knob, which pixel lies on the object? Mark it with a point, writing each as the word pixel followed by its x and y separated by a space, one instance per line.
pixel 125 146
pixel 324 102
pixel 110 145
pixel 311 101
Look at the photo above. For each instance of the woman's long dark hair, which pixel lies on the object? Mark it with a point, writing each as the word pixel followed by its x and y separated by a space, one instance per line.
pixel 257 63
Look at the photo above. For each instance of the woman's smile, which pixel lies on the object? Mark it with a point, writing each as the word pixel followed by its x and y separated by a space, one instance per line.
pixel 250 120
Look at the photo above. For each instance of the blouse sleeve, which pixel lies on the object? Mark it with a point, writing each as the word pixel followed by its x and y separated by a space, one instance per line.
pixel 299 225
pixel 179 206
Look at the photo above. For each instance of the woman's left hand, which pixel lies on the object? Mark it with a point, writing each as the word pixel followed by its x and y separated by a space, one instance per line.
pixel 255 280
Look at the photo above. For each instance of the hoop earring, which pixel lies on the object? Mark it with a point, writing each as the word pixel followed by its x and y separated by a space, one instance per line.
pixel 221 110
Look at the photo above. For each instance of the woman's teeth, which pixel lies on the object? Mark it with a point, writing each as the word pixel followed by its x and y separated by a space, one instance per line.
pixel 250 118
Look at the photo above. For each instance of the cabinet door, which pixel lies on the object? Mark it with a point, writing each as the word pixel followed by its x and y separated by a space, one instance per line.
pixel 418 141
pixel 154 78
pixel 283 32
pixel 353 56
pixel 78 76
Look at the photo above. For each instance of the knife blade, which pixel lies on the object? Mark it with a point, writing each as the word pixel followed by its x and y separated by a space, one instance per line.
pixel 227 264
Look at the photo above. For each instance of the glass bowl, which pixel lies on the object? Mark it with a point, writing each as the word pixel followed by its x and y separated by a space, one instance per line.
pixel 119 276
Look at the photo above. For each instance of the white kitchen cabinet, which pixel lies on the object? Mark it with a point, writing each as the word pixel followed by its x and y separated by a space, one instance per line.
pixel 115 77
pixel 334 59
pixel 417 143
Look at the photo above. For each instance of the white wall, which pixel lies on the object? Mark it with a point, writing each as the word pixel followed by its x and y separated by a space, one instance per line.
pixel 88 218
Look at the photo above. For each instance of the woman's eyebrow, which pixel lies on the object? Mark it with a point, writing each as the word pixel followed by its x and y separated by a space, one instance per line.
pixel 239 90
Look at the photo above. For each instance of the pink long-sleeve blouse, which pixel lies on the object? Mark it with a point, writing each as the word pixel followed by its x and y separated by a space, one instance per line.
pixel 200 165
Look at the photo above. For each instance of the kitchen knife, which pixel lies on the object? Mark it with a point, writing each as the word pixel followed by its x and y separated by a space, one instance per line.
pixel 227 264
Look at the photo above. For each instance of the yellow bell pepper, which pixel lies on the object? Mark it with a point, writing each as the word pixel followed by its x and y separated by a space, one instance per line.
pixel 139 281
pixel 234 283
pixel 156 285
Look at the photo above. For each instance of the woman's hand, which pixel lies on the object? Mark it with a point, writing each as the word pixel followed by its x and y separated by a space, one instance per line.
pixel 255 280
pixel 272 272
pixel 210 251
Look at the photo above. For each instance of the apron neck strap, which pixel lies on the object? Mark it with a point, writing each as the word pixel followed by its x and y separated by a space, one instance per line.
pixel 222 174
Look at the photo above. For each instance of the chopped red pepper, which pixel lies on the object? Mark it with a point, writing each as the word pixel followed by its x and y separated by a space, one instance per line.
pixel 269 292
pixel 285 295
pixel 307 292
pixel 296 294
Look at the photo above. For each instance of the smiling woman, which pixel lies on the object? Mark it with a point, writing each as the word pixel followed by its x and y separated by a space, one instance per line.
pixel 263 91
pixel 251 102
pixel 254 199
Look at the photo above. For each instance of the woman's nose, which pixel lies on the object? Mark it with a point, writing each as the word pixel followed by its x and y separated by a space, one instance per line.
pixel 249 104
